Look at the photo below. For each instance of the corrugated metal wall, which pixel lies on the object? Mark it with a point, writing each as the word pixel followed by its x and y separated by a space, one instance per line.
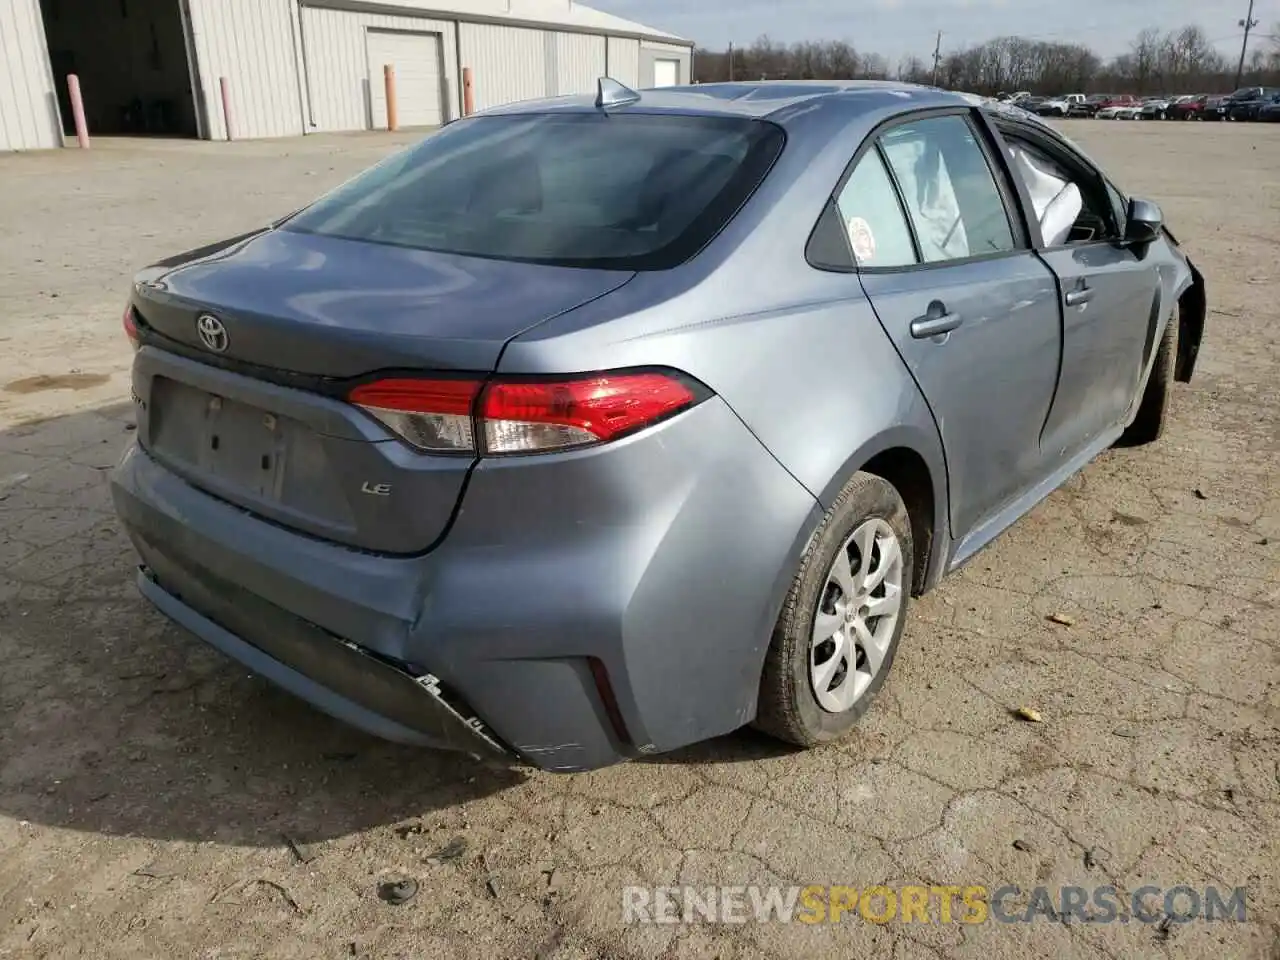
pixel 579 62
pixel 253 44
pixel 338 72
pixel 28 107
pixel 295 69
pixel 518 63
pixel 507 63
pixel 624 61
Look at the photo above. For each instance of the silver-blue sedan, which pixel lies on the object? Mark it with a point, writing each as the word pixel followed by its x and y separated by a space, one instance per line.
pixel 589 428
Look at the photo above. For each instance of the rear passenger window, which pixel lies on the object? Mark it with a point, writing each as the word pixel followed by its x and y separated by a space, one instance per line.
pixel 872 217
pixel 953 201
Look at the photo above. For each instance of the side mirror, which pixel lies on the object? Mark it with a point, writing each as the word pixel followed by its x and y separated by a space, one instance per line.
pixel 1144 221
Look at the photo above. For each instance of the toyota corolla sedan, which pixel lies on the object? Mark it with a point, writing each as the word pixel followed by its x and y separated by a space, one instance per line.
pixel 593 427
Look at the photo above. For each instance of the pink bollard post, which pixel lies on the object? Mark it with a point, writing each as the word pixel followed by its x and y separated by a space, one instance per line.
pixel 77 111
pixel 225 85
pixel 468 92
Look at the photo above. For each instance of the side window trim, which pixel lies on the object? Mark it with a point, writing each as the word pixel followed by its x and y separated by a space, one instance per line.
pixel 1018 200
pixel 1002 175
pixel 1122 210
pixel 1018 233
pixel 1075 164
pixel 1006 184
pixel 1026 209
pixel 901 197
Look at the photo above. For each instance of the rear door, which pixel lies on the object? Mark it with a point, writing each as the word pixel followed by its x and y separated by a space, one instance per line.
pixel 971 309
pixel 1108 292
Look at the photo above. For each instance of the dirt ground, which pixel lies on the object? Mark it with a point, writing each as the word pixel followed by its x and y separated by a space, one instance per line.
pixel 150 790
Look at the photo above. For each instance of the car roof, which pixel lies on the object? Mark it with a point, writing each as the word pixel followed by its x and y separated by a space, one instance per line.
pixel 780 99
pixel 750 99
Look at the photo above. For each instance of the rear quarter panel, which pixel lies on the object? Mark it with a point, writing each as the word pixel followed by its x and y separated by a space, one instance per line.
pixel 797 353
pixel 817 382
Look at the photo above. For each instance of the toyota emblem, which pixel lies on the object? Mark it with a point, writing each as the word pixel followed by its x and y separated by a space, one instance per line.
pixel 212 333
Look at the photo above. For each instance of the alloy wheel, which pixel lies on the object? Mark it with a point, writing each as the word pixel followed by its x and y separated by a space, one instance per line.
pixel 857 615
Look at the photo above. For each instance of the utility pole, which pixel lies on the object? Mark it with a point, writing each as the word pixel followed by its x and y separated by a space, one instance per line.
pixel 937 56
pixel 1248 23
pixel 730 61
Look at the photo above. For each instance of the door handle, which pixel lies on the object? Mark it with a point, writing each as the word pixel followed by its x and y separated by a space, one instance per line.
pixel 1078 296
pixel 932 324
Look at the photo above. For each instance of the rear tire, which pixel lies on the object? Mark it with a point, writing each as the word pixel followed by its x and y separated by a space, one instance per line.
pixel 1148 426
pixel 821 672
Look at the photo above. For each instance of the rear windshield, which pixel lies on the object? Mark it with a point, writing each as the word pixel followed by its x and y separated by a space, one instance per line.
pixel 619 191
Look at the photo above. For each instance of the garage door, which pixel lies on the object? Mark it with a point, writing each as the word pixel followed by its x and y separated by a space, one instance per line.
pixel 416 57
pixel 666 73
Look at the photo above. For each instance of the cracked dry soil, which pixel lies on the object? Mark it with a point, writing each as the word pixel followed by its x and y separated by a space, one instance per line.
pixel 157 802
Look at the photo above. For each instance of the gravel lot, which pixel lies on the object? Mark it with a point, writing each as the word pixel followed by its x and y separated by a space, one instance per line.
pixel 147 785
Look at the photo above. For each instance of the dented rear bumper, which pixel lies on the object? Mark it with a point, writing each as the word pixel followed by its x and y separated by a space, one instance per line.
pixel 585 607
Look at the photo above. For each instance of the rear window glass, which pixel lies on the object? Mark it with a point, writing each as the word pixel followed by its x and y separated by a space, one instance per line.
pixel 620 191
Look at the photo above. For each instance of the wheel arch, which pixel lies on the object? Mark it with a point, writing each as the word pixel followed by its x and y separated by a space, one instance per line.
pixel 1192 311
pixel 913 460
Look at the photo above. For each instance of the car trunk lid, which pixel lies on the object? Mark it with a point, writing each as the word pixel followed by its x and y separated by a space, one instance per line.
pixel 257 414
pixel 338 308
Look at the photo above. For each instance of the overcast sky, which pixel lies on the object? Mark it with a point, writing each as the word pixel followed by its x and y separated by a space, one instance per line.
pixel 898 27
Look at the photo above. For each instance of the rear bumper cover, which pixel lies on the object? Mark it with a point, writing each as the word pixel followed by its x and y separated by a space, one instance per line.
pixel 356 687
pixel 663 558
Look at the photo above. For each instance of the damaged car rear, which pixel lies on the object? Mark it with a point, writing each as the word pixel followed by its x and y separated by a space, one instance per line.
pixel 591 428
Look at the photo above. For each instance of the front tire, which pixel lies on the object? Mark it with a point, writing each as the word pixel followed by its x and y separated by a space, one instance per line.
pixel 1153 415
pixel 838 633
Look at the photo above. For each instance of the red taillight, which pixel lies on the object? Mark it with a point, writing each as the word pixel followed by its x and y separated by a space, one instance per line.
pixel 528 417
pixel 131 326
pixel 517 416
pixel 430 414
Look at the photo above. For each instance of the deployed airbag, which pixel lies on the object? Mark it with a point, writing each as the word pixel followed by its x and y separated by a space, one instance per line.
pixel 1056 200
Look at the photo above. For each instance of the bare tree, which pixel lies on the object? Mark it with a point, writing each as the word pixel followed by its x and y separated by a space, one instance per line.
pixel 912 70
pixel 1144 60
pixel 1179 61
pixel 873 67
pixel 842 61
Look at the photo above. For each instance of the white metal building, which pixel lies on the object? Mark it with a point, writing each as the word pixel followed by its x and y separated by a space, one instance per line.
pixel 303 66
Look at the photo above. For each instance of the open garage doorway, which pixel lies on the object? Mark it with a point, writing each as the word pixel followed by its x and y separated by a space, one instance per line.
pixel 132 60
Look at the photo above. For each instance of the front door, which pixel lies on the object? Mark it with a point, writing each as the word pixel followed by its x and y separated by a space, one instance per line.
pixel 971 309
pixel 1108 300
pixel 1108 293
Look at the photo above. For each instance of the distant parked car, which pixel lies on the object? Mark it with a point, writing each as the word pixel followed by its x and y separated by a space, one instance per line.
pixel 1059 106
pixel 1189 108
pixel 1245 103
pixel 1215 108
pixel 1155 108
pixel 1091 104
pixel 1119 108
pixel 1270 112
